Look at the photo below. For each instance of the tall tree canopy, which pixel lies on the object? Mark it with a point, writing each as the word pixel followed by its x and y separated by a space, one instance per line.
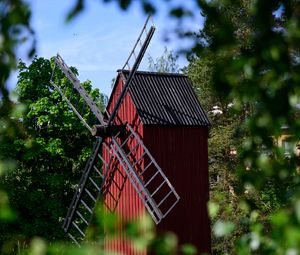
pixel 226 136
pixel 251 46
pixel 50 151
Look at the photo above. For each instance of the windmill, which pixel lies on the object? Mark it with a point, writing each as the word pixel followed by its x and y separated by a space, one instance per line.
pixel 116 141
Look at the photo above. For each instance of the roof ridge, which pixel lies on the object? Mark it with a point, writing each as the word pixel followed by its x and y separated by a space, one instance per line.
pixel 153 73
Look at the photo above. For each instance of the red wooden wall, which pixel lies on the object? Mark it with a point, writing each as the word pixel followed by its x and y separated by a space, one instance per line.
pixel 120 196
pixel 181 152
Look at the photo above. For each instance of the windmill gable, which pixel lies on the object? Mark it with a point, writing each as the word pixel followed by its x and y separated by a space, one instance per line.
pixel 165 99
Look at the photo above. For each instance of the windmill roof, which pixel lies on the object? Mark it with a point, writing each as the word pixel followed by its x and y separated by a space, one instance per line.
pixel 166 99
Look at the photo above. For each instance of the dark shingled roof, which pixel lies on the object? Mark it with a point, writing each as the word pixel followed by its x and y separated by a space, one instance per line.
pixel 166 99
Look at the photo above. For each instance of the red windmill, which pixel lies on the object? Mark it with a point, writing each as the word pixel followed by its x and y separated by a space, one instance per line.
pixel 150 153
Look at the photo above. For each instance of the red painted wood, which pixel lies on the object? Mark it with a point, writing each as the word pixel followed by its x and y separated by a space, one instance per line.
pixel 121 197
pixel 182 154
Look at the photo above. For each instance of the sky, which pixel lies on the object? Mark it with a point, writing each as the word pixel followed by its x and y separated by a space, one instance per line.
pixel 99 40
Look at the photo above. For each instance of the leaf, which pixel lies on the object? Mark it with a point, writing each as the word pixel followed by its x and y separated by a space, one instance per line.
pixel 148 7
pixel 38 246
pixel 223 228
pixel 180 12
pixel 124 4
pixel 213 209
pixel 6 213
pixel 188 249
pixel 79 6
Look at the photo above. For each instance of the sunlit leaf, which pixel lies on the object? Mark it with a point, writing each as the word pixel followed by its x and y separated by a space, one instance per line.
pixel 223 228
pixel 213 209
pixel 188 249
pixel 38 246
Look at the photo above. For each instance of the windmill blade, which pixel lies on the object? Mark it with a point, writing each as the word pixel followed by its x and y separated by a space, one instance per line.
pixel 81 209
pixel 72 105
pixel 143 45
pixel 153 187
pixel 78 99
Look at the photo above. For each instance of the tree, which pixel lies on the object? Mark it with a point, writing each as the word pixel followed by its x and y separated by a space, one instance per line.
pixel 223 143
pixel 167 63
pixel 227 44
pixel 14 29
pixel 262 73
pixel 225 136
pixel 51 152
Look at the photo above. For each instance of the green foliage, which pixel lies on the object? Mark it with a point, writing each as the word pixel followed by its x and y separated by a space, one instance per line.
pixel 188 249
pixel 50 151
pixel 224 141
pixel 15 29
pixel 260 102
pixel 254 67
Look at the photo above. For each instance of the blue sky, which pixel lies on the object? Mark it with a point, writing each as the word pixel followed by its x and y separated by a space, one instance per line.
pixel 99 40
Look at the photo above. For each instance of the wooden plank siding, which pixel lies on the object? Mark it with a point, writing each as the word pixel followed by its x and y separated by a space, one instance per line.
pixel 120 195
pixel 182 154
